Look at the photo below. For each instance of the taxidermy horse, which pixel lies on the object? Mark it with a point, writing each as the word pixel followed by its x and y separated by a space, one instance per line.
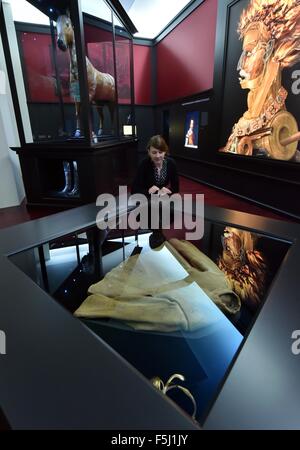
pixel 101 85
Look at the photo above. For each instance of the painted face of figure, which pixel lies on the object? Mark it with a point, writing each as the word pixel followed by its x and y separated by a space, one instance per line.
pixel 192 124
pixel 231 242
pixel 251 64
pixel 157 156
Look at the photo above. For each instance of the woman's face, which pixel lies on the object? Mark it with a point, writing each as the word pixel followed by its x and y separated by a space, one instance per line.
pixel 156 155
pixel 251 64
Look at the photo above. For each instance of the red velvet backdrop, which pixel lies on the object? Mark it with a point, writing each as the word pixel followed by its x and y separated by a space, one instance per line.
pixel 40 73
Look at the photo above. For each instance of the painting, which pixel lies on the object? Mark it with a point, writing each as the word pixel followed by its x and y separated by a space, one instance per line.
pixel 260 114
pixel 249 261
pixel 191 129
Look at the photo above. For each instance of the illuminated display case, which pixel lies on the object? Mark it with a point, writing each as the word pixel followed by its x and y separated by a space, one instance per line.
pixel 189 337
pixel 71 73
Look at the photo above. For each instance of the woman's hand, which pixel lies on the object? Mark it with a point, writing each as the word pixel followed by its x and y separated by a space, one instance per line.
pixel 164 191
pixel 153 190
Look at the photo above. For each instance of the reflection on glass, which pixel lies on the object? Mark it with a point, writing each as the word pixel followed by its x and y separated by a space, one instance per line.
pixel 171 310
pixel 249 262
pixel 100 67
pixel 164 315
pixel 62 261
pixel 244 265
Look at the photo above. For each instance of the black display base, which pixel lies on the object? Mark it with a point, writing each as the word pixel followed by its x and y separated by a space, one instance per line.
pixel 94 170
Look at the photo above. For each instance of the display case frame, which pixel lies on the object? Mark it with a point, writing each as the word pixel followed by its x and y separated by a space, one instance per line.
pixel 80 19
pixel 105 163
pixel 85 391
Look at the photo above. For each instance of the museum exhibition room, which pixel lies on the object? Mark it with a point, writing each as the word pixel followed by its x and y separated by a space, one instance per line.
pixel 149 216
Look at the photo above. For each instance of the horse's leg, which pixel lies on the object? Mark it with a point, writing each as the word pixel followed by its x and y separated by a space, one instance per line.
pixel 101 119
pixel 78 125
pixel 111 107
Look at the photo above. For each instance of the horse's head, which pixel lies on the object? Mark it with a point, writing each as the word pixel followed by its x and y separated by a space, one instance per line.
pixel 65 32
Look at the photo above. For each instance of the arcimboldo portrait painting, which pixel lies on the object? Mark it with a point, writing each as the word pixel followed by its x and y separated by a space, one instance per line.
pixel 262 74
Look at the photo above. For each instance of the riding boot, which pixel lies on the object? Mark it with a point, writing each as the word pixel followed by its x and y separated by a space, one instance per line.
pixel 75 191
pixel 68 178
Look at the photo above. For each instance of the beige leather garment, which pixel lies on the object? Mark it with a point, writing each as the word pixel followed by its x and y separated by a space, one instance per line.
pixel 164 290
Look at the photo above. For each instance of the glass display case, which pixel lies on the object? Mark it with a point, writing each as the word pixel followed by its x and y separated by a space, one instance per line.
pixel 57 86
pixel 178 312
pixel 124 75
pixel 72 65
pixel 100 50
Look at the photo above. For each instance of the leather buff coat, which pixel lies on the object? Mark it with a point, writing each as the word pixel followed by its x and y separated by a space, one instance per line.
pixel 177 296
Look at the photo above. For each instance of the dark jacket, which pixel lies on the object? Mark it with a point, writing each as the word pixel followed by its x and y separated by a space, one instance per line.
pixel 145 177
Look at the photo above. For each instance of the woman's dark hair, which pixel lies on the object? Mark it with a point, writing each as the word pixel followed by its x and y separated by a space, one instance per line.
pixel 158 142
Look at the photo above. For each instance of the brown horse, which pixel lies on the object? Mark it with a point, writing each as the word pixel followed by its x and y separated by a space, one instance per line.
pixel 101 85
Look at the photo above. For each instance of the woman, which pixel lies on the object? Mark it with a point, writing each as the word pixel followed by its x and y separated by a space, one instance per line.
pixel 157 174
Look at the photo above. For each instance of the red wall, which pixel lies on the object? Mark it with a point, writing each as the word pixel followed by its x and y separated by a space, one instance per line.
pixel 40 72
pixel 142 74
pixel 185 57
